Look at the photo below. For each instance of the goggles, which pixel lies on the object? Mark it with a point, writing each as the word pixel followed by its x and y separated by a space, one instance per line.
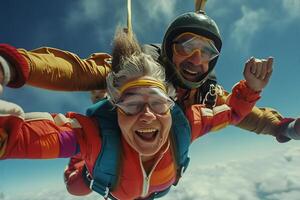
pixel 134 100
pixel 187 44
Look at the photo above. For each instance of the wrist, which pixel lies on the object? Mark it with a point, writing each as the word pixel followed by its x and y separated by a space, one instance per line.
pixel 6 71
pixel 291 130
pixel 245 92
pixel 252 87
pixel 19 67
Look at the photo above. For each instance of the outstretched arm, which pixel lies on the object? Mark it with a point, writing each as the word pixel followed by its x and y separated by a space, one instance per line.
pixel 53 69
pixel 35 135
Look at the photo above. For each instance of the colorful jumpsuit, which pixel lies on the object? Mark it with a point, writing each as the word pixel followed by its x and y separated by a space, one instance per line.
pixel 44 135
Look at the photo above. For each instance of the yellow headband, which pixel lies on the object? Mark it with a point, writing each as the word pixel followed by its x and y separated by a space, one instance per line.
pixel 143 82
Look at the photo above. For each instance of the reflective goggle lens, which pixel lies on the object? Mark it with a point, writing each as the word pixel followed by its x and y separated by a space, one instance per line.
pixel 188 43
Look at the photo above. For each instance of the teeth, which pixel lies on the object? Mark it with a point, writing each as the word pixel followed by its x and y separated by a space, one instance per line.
pixel 145 131
pixel 191 72
pixel 148 134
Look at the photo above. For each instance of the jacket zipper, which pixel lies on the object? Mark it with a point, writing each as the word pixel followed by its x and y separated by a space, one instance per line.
pixel 146 179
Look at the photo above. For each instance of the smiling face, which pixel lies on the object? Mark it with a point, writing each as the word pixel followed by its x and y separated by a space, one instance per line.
pixel 145 131
pixel 191 67
pixel 192 54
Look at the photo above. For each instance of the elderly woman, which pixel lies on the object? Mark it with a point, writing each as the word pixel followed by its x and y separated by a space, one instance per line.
pixel 135 144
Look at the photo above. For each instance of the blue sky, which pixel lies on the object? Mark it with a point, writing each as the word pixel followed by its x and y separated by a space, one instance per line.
pixel 248 28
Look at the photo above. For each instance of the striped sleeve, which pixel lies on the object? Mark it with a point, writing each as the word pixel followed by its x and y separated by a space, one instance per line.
pixel 237 106
pixel 36 135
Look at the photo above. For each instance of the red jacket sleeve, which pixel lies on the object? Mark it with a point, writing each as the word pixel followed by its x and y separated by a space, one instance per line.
pixel 36 135
pixel 237 106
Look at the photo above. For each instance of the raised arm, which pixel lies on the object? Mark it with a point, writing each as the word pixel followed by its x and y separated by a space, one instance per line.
pixel 237 105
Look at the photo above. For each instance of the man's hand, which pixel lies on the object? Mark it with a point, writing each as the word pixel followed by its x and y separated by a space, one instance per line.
pixel 257 72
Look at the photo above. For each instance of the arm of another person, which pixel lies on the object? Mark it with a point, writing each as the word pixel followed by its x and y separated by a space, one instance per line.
pixel 53 69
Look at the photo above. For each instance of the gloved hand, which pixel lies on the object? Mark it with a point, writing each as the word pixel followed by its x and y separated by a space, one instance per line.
pixel 292 131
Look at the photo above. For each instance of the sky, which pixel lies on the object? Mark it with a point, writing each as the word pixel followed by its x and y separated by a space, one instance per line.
pixel 229 164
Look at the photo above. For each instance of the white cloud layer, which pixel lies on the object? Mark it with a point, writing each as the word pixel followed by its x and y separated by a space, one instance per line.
pixel 273 177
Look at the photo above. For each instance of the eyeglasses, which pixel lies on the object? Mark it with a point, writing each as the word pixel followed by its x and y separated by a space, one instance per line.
pixel 160 107
pixel 187 44
pixel 134 104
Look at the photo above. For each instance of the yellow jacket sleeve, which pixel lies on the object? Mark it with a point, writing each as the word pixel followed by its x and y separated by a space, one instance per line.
pixel 55 69
pixel 262 121
pixel 259 120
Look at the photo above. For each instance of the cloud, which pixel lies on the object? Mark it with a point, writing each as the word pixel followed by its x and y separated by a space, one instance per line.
pixel 2 197
pixel 292 7
pixel 156 9
pixel 272 177
pixel 85 11
pixel 245 28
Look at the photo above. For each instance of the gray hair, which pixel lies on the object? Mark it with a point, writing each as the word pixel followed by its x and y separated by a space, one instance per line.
pixel 129 62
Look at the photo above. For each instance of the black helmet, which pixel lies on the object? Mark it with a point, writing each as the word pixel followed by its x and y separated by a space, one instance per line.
pixel 195 22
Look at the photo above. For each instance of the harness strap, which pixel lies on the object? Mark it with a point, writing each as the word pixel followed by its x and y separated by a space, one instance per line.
pixel 181 136
pixel 105 173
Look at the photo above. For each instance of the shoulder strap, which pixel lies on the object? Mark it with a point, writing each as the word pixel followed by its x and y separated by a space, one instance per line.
pixel 106 170
pixel 181 134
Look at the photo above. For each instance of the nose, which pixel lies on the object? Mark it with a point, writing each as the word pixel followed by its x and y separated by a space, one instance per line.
pixel 195 58
pixel 147 115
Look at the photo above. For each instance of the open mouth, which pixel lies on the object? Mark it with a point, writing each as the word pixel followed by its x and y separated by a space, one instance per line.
pixel 147 135
pixel 190 74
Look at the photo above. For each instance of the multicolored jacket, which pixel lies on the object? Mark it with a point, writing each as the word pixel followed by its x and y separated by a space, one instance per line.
pixel 55 69
pixel 44 135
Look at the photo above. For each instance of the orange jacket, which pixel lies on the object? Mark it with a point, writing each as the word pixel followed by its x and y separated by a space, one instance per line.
pixel 41 135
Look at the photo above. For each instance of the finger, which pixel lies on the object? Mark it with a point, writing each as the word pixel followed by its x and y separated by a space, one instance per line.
pixel 248 66
pixel 268 75
pixel 269 68
pixel 264 69
pixel 258 67
pixel 252 68
pixel 270 64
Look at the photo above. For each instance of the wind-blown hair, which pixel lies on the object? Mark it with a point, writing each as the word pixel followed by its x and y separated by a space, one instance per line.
pixel 129 62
